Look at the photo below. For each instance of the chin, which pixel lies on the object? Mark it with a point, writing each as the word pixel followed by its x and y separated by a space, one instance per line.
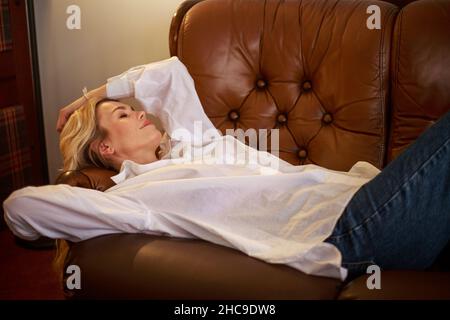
pixel 156 138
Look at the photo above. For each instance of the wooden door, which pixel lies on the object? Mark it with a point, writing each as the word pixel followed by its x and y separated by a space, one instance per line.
pixel 22 144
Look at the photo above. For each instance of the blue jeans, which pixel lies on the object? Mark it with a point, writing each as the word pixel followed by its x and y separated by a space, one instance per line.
pixel 401 218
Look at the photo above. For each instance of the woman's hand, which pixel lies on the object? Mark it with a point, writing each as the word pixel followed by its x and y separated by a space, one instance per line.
pixel 66 112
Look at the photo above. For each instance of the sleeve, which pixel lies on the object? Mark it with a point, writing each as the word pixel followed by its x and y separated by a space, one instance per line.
pixel 166 90
pixel 122 86
pixel 72 213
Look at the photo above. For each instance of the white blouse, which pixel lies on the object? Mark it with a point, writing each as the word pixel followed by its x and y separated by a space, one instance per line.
pixel 270 210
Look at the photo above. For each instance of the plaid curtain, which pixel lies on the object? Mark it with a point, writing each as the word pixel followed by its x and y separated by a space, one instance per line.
pixel 15 157
pixel 5 27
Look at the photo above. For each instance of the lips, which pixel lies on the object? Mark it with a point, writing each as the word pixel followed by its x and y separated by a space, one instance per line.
pixel 146 123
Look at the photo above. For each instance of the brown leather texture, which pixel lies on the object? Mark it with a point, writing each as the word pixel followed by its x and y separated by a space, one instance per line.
pixel 134 266
pixel 176 22
pixel 337 91
pixel 91 178
pixel 308 68
pixel 420 72
pixel 401 285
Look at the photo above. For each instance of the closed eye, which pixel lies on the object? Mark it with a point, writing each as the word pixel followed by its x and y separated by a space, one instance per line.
pixel 123 115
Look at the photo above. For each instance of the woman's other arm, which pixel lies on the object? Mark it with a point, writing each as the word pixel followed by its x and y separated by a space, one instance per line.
pixel 71 213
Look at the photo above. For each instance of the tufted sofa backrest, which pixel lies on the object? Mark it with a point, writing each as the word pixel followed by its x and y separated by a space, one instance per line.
pixel 337 91
pixel 310 68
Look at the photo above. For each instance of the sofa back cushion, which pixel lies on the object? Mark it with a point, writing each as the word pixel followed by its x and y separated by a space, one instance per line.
pixel 90 178
pixel 311 68
pixel 420 71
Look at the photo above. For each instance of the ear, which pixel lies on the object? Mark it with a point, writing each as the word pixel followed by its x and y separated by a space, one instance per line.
pixel 105 149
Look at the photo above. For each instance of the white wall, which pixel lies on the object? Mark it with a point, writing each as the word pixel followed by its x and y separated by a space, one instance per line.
pixel 114 36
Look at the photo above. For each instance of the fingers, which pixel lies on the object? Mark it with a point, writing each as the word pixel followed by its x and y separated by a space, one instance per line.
pixel 65 113
pixel 60 125
pixel 62 119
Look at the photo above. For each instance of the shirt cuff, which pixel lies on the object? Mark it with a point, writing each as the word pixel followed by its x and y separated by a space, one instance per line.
pixel 119 88
pixel 122 86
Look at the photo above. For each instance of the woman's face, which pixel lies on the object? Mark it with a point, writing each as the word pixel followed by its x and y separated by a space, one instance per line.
pixel 130 135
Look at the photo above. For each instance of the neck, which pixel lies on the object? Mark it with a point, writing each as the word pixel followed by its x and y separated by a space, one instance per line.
pixel 139 157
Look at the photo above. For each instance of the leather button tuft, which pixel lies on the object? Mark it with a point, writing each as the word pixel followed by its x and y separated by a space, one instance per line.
pixel 327 118
pixel 307 85
pixel 233 115
pixel 302 154
pixel 260 83
pixel 282 118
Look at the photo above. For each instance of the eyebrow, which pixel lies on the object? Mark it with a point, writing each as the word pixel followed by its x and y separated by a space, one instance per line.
pixel 121 108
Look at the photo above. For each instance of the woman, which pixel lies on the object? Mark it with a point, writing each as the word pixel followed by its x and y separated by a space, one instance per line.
pixel 319 221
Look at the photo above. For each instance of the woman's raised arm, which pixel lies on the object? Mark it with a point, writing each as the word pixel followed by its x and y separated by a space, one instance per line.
pixel 165 89
pixel 120 86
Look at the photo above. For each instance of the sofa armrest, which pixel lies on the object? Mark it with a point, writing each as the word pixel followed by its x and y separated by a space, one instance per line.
pixel 91 178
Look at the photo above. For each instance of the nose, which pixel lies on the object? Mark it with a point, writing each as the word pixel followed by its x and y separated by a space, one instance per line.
pixel 141 115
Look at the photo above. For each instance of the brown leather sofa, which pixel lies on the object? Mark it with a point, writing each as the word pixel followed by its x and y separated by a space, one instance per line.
pixel 339 93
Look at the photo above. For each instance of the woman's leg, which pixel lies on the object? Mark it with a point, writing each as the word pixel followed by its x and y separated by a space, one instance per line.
pixel 401 218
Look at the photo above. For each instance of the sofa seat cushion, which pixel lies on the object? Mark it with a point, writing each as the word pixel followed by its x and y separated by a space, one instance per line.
pixel 137 266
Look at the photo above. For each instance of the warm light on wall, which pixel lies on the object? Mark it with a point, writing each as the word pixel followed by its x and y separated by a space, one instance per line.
pixel 110 37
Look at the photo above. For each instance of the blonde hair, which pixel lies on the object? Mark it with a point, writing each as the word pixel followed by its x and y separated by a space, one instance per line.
pixel 78 135
pixel 77 141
